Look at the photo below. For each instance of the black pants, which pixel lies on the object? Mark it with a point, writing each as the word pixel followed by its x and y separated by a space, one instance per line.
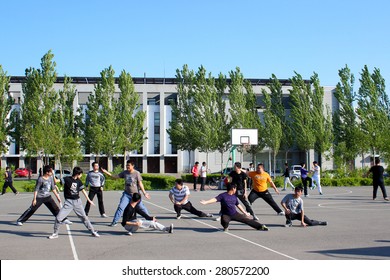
pixel 48 201
pixel 380 184
pixel 304 183
pixel 290 217
pixel 195 182
pixel 188 207
pixel 202 183
pixel 6 185
pixel 266 196
pixel 240 195
pixel 92 192
pixel 225 220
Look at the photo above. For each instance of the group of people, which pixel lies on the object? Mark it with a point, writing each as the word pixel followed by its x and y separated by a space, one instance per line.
pixel 131 204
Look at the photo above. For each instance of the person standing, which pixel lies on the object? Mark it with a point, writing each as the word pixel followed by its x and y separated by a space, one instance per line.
pixel 377 179
pixel 72 187
pixel 195 174
pixel 293 207
pixel 229 203
pixel 8 181
pixel 305 178
pixel 239 178
pixel 96 181
pixel 316 180
pixel 132 224
pixel 133 184
pixel 203 175
pixel 179 197
pixel 260 180
pixel 44 185
pixel 286 175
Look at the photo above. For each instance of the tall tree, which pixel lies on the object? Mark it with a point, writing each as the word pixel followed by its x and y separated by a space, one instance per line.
pixel 346 146
pixel 322 121
pixel 302 122
pixel 6 102
pixel 37 130
pixel 373 110
pixel 100 124
pixel 130 117
pixel 243 108
pixel 184 127
pixel 273 117
pixel 67 123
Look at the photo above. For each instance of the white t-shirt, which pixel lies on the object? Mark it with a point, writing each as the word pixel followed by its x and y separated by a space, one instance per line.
pixel 317 171
pixel 203 171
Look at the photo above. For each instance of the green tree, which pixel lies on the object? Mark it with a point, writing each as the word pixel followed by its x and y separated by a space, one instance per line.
pixel 6 102
pixel 243 108
pixel 322 121
pixel 346 144
pixel 373 111
pixel 184 127
pixel 273 117
pixel 302 121
pixel 37 131
pixel 130 117
pixel 101 130
pixel 67 125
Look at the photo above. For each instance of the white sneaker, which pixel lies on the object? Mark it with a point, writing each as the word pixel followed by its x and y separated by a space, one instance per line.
pixel 104 216
pixel 217 219
pixel 210 215
pixel 129 233
pixel 95 233
pixel 53 236
pixel 178 217
pixel 281 213
pixel 67 222
pixel 255 218
pixel 19 223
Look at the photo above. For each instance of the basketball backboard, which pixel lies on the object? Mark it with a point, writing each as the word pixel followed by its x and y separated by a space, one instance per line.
pixel 244 136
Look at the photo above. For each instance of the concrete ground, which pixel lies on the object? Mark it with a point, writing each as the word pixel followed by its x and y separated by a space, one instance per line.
pixel 358 229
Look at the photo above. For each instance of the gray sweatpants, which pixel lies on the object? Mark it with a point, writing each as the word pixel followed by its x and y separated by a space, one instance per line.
pixel 77 206
pixel 146 224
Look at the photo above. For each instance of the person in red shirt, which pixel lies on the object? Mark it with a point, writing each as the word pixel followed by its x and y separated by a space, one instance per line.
pixel 195 174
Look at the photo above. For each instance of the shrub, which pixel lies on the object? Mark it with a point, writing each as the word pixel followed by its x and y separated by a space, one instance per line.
pixel 159 182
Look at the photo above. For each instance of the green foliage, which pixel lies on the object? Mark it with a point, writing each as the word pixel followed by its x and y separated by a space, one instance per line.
pixel 129 117
pixel 301 120
pixel 159 182
pixel 6 102
pixel 37 128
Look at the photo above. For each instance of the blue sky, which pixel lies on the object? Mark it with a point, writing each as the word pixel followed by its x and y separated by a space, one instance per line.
pixel 158 37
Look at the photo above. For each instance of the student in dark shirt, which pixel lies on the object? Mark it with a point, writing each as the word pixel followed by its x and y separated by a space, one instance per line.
pixel 72 187
pixel 132 224
pixel 229 203
pixel 377 179
pixel 8 181
pixel 239 178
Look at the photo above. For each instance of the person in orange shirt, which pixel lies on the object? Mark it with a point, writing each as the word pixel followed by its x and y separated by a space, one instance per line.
pixel 260 180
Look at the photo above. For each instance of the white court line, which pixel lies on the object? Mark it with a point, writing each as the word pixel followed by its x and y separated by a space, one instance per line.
pixel 74 252
pixel 233 235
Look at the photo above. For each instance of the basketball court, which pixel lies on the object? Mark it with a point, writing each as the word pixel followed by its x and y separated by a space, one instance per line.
pixel 358 229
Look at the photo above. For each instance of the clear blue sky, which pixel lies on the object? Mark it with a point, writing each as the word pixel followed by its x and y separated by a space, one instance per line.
pixel 157 37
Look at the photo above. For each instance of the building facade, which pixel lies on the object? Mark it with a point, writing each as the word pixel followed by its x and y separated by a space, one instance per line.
pixel 157 154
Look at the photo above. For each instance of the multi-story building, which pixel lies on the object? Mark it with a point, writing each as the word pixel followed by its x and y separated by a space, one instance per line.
pixel 157 154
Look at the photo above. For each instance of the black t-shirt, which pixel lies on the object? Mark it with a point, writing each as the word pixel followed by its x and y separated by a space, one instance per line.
pixel 238 179
pixel 286 172
pixel 130 214
pixel 72 187
pixel 377 173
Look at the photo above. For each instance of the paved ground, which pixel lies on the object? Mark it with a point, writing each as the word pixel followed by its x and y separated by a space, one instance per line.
pixel 359 228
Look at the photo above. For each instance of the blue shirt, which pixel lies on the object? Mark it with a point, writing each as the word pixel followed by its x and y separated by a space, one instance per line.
pixel 304 173
pixel 228 203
